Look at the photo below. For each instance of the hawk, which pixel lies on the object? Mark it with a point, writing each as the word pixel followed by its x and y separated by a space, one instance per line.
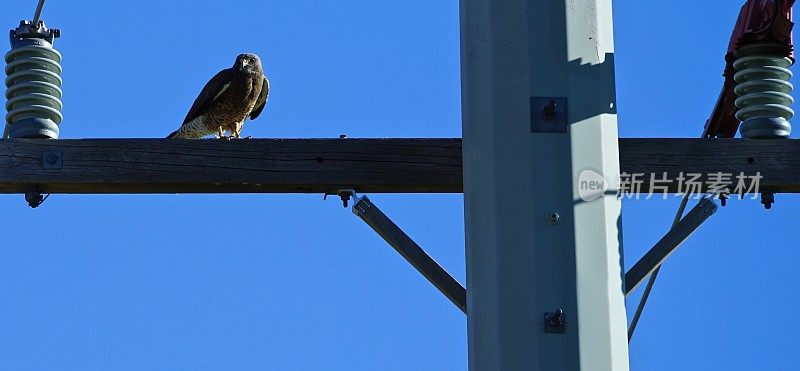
pixel 232 95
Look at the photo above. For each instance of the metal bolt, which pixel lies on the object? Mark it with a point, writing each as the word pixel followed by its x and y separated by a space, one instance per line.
pixel 550 109
pixel 554 322
pixel 554 218
pixel 34 198
pixel 767 199
pixel 557 317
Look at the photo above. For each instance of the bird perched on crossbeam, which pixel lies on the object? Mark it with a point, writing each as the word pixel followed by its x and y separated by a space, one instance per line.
pixel 232 95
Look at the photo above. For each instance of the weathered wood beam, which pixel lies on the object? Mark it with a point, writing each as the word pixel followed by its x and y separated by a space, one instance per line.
pixel 236 166
pixel 327 165
pixel 776 161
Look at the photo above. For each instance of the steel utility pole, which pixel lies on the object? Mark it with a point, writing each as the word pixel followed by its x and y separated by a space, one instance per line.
pixel 544 270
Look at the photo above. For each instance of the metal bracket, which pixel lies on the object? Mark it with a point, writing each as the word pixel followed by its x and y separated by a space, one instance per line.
pixel 408 249
pixel 31 30
pixel 549 115
pixel 554 322
pixel 52 160
pixel 669 243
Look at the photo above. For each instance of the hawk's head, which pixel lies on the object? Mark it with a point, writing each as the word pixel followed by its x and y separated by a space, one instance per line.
pixel 248 64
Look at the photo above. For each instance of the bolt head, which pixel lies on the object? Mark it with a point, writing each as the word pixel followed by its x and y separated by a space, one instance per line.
pixel 550 109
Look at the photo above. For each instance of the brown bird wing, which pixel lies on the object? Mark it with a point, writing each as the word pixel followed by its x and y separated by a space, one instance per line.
pixel 262 100
pixel 213 89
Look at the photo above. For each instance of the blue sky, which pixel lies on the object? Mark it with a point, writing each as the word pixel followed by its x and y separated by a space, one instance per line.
pixel 295 282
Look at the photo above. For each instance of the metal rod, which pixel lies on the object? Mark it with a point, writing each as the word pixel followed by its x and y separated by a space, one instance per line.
pixel 409 249
pixel 642 302
pixel 38 13
pixel 651 262
pixel 669 243
pixel 654 275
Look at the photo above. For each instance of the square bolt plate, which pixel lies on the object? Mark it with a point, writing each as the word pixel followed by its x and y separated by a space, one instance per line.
pixel 52 160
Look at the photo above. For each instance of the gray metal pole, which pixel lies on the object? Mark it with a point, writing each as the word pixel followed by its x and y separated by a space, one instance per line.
pixel 540 133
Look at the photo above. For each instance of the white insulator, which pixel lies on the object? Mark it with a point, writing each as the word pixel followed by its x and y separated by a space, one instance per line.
pixel 33 82
pixel 764 99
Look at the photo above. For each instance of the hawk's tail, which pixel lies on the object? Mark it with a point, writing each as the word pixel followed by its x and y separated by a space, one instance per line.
pixel 172 135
